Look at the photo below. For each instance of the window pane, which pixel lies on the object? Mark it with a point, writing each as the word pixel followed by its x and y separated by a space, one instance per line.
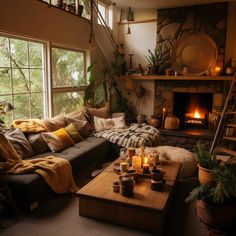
pixel 5 81
pixel 67 102
pixel 86 10
pixel 102 10
pixel 110 18
pixel 36 80
pixel 21 104
pixel 22 78
pixel 19 53
pixel 37 105
pixel 20 81
pixel 35 55
pixel 67 68
pixel 4 52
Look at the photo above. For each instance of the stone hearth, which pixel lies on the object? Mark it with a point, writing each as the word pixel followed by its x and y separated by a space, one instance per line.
pixel 186 138
pixel 164 91
pixel 164 98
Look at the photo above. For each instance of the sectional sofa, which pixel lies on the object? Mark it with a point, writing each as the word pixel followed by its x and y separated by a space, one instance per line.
pixel 30 190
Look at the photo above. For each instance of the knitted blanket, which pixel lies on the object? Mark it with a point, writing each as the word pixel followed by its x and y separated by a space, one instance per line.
pixel 40 125
pixel 55 171
pixel 136 135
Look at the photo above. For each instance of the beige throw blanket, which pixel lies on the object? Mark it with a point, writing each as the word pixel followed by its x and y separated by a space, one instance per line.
pixel 30 125
pixel 56 172
pixel 40 125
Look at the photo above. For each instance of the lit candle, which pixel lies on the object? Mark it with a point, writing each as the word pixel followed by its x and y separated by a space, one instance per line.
pixel 136 162
pixel 217 70
pixel 145 166
pixel 124 166
pixel 163 115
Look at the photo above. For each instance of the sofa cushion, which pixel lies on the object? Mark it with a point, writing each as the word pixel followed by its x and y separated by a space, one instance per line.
pixel 103 112
pixel 74 133
pixel 110 123
pixel 82 126
pixel 57 140
pixel 20 144
pixel 38 143
pixel 55 122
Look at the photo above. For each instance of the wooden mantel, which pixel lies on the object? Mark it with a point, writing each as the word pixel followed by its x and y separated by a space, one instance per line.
pixel 179 77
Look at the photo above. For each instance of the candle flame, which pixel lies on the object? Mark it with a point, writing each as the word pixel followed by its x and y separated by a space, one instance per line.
pixel 145 160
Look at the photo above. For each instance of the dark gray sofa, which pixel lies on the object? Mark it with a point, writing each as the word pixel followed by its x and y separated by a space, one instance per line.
pixel 30 190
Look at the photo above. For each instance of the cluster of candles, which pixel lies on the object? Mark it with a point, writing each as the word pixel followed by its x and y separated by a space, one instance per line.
pixel 141 163
pixel 138 162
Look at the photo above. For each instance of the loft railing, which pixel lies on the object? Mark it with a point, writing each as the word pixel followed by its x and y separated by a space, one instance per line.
pixel 76 8
pixel 90 6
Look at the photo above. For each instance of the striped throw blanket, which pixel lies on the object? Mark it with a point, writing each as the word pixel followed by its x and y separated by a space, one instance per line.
pixel 136 135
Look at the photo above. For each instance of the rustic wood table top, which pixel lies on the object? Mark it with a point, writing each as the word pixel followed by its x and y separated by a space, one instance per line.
pixel 101 188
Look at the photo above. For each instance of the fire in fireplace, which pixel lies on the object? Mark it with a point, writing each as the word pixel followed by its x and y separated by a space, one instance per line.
pixel 193 109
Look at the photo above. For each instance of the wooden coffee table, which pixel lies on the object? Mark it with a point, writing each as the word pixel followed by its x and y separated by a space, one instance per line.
pixel 146 210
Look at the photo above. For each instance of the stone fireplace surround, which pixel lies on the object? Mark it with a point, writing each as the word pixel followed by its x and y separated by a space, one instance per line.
pixel 164 98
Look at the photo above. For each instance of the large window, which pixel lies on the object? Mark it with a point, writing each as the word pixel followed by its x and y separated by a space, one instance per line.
pixel 24 84
pixel 68 69
pixel 22 77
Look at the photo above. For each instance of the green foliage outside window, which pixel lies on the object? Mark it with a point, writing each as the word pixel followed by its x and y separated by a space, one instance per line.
pixel 68 68
pixel 21 77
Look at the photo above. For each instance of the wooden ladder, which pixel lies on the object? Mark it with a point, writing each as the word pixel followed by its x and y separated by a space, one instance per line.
pixel 224 141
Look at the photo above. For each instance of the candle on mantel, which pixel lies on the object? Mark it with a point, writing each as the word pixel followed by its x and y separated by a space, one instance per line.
pixel 163 115
pixel 217 70
pixel 145 166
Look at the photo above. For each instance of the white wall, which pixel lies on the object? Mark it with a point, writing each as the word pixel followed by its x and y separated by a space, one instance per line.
pixel 32 18
pixel 142 38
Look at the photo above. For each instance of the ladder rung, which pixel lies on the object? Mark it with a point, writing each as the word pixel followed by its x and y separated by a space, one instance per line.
pixel 231 125
pixel 225 151
pixel 230 138
pixel 230 112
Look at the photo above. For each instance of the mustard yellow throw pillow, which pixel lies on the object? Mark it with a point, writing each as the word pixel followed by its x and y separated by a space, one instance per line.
pixel 62 138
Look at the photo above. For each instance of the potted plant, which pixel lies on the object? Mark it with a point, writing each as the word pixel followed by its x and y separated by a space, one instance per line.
pixel 154 59
pixel 216 201
pixel 206 164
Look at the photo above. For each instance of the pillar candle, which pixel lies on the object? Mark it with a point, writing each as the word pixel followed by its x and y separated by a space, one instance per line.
pixel 145 166
pixel 124 166
pixel 137 162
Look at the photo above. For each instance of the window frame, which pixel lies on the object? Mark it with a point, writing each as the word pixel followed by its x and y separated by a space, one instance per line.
pixel 44 70
pixel 47 80
pixel 64 89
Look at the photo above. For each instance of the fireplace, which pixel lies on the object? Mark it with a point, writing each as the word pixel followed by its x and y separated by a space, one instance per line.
pixel 192 109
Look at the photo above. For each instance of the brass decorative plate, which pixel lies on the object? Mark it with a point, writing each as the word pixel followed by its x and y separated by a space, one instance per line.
pixel 194 54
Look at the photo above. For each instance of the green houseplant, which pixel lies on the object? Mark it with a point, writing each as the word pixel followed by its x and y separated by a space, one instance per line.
pixel 206 164
pixel 155 60
pixel 96 91
pixel 216 201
